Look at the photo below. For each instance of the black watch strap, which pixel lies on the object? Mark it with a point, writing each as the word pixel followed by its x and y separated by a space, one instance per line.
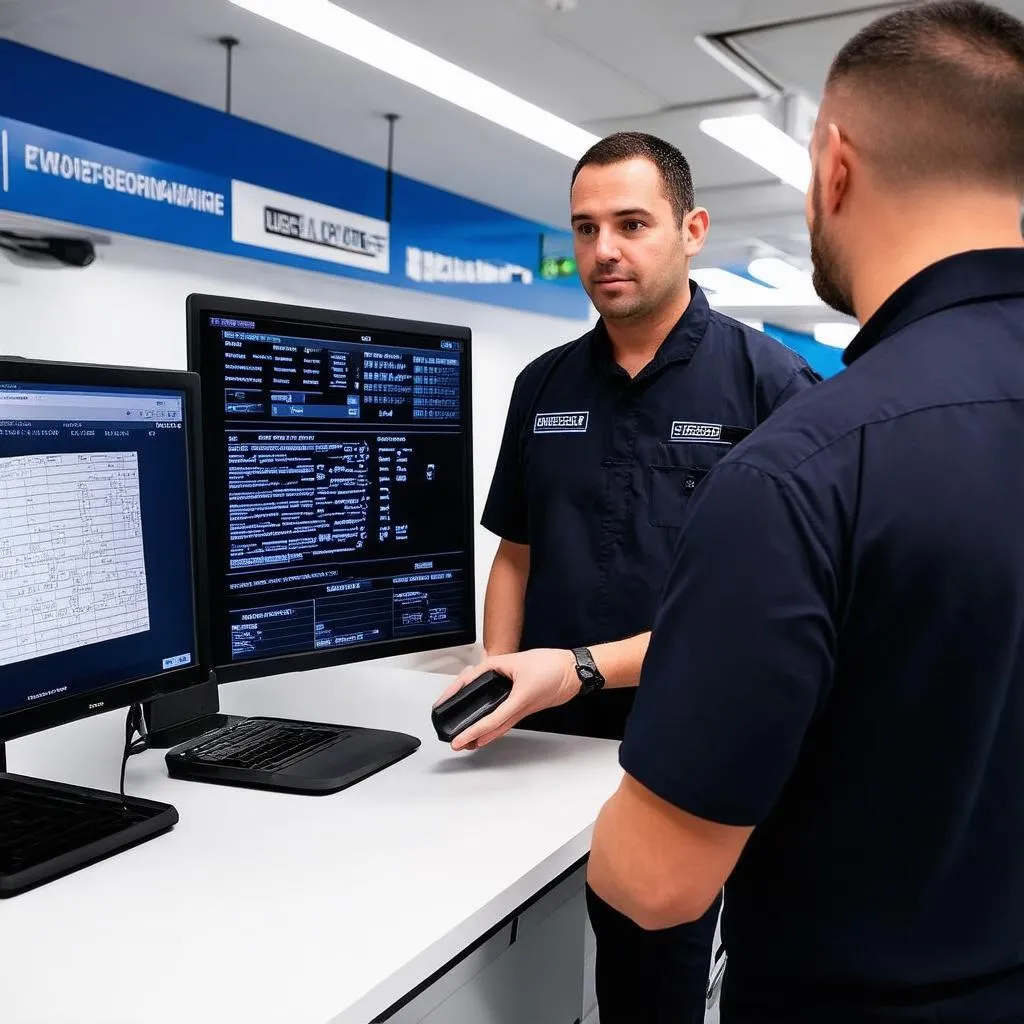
pixel 587 670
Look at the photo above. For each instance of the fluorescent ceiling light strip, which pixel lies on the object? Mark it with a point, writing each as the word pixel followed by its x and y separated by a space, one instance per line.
pixel 727 290
pixel 731 291
pixel 719 281
pixel 766 299
pixel 779 274
pixel 756 138
pixel 347 33
pixel 838 334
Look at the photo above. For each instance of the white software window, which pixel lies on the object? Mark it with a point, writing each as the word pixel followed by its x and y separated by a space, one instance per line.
pixel 72 564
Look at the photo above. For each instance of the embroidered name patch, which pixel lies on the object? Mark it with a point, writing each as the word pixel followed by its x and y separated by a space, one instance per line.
pixel 706 433
pixel 682 430
pixel 561 422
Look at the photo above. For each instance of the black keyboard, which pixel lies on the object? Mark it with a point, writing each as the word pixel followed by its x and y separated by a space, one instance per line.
pixel 262 745
pixel 286 755
pixel 48 829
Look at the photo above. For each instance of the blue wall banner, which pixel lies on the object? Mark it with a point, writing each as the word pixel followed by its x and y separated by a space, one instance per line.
pixel 84 147
pixel 72 180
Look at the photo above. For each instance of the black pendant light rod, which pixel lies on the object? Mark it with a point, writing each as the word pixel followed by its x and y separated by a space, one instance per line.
pixel 229 43
pixel 390 180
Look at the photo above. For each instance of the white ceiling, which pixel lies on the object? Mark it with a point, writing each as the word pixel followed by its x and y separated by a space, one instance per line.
pixel 606 65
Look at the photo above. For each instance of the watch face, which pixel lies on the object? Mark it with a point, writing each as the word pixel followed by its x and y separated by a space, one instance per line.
pixel 586 673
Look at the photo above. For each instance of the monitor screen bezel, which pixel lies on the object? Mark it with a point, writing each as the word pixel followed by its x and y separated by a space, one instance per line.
pixel 197 307
pixel 61 711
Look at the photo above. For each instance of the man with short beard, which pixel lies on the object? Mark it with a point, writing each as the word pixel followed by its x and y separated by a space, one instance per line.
pixel 606 440
pixel 830 715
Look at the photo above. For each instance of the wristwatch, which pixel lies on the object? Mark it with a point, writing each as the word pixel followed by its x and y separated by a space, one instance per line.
pixel 590 676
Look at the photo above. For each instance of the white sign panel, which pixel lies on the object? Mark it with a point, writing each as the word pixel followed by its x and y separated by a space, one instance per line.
pixel 275 220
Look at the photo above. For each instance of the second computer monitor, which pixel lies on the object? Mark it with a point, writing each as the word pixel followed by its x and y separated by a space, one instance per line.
pixel 338 452
pixel 101 595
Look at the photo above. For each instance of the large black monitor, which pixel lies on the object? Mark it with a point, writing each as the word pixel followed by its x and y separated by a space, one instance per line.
pixel 339 502
pixel 338 481
pixel 102 602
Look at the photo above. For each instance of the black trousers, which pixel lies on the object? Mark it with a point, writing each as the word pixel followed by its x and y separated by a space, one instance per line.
pixel 996 999
pixel 645 977
pixel 642 977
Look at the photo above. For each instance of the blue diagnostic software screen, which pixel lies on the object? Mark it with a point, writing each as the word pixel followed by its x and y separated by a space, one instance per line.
pixel 341 477
pixel 95 544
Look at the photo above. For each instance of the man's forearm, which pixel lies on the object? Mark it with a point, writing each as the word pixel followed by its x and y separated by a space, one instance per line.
pixel 503 617
pixel 504 600
pixel 620 662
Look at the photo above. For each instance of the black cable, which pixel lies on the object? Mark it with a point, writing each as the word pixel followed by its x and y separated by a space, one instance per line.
pixel 132 725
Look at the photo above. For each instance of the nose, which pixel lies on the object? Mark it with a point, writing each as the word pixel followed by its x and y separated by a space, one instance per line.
pixel 606 250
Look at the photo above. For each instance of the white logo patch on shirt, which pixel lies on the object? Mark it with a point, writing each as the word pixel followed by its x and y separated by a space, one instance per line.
pixel 561 422
pixel 708 433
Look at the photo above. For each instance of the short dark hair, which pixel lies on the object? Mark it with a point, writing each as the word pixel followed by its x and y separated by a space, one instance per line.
pixel 939 91
pixel 672 165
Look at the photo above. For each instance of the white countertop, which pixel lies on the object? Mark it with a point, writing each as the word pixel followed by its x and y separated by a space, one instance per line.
pixel 269 908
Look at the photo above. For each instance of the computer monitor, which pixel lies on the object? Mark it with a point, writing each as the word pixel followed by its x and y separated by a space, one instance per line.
pixel 339 484
pixel 102 601
pixel 339 502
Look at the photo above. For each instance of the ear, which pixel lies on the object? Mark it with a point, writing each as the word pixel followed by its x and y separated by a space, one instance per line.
pixel 833 169
pixel 695 230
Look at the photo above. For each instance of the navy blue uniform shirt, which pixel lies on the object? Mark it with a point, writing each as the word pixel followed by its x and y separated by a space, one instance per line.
pixel 839 661
pixel 596 469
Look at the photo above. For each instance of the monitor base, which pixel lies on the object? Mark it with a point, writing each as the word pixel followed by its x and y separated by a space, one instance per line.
pixel 177 717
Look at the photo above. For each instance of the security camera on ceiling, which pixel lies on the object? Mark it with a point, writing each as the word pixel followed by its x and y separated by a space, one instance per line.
pixel 40 250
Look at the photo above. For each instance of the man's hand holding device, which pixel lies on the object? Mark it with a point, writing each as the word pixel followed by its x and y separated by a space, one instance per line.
pixel 487 700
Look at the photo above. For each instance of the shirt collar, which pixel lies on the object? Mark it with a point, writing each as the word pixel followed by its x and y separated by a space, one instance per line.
pixel 976 276
pixel 679 346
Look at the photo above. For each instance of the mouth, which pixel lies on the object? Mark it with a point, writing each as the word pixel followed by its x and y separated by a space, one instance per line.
pixel 611 280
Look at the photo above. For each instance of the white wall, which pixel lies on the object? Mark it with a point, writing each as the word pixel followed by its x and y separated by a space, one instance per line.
pixel 129 308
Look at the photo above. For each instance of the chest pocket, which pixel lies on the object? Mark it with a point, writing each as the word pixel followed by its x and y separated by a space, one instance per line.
pixel 674 475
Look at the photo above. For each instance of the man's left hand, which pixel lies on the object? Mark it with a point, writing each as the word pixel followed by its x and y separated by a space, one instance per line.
pixel 542 678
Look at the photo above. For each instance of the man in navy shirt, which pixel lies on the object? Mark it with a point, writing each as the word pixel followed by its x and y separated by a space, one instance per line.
pixel 831 710
pixel 606 439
